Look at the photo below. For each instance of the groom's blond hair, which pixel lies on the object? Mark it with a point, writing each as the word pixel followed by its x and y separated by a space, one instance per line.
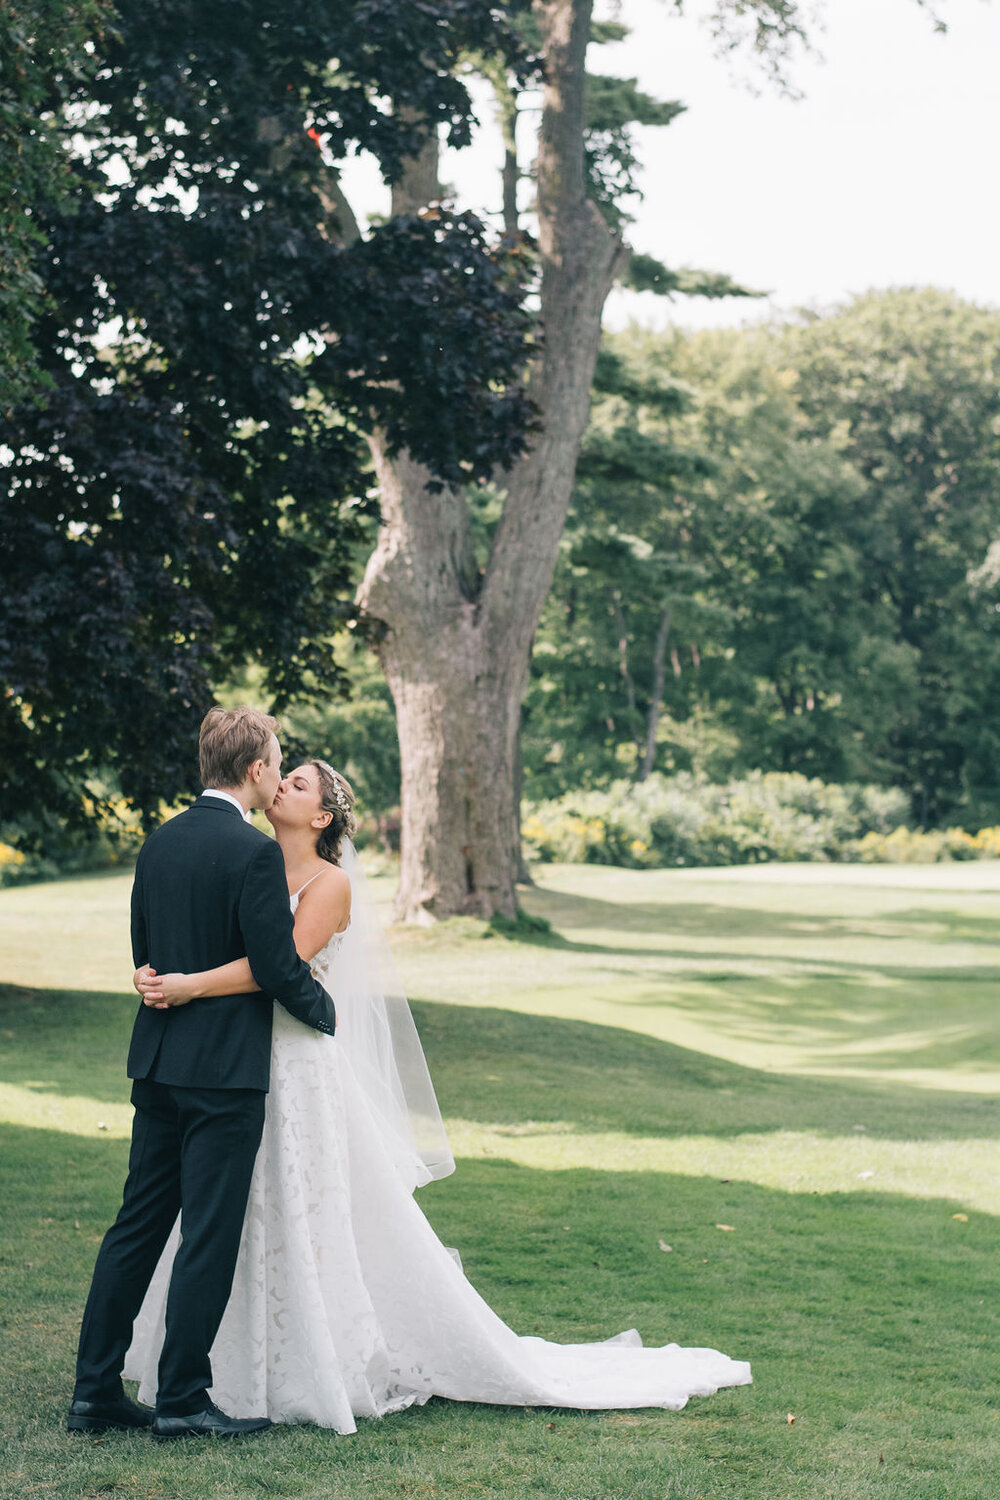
pixel 231 739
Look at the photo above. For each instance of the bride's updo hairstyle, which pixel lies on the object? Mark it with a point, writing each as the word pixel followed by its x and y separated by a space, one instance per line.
pixel 336 796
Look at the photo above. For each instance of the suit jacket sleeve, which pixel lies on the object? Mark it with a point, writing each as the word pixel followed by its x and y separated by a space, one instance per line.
pixel 140 942
pixel 266 926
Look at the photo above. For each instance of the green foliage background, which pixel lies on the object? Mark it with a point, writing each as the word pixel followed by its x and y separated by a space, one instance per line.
pixel 784 547
pixel 811 506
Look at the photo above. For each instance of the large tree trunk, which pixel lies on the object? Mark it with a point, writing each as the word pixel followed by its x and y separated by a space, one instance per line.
pixel 457 690
pixel 456 641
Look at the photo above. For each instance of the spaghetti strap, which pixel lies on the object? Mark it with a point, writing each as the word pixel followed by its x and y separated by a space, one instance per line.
pixel 295 894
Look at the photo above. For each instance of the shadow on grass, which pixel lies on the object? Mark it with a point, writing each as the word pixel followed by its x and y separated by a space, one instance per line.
pixel 708 919
pixel 858 1313
pixel 504 1067
pixel 66 1042
pixel 574 1254
pixel 869 1019
pixel 837 1011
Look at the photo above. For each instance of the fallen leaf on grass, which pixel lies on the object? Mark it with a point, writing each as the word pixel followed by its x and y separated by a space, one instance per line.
pixel 664 1246
pixel 729 1228
pixel 865 1175
pixel 790 1419
pixel 962 1218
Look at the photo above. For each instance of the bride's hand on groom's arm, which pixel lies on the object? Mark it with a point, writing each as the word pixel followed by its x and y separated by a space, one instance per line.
pixel 163 991
pixel 146 982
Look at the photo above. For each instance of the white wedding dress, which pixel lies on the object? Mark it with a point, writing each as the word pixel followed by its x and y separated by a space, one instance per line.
pixel 345 1303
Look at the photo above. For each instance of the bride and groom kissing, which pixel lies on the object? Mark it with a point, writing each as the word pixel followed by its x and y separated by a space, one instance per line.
pixel 269 1261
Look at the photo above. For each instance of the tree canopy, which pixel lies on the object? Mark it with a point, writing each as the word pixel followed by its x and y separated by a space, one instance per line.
pixel 185 496
pixel 46 48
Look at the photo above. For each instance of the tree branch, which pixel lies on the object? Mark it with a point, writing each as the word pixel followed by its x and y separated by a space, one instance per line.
pixel 623 666
pixel 420 183
pixel 511 174
pixel 340 224
pixel 656 696
pixel 580 257
pixel 424 560
pixel 565 26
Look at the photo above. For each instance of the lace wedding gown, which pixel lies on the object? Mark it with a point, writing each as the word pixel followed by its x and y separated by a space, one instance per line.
pixel 345 1304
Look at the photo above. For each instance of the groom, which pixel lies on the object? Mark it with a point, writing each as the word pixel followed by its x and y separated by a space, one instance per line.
pixel 209 888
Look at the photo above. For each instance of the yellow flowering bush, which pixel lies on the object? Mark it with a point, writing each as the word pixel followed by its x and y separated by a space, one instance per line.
pixel 914 846
pixel 987 843
pixel 684 820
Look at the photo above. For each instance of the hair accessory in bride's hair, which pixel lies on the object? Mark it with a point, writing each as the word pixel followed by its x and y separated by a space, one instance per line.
pixel 339 794
pixel 337 798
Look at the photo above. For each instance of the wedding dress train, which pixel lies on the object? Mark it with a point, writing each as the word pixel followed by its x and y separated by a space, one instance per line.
pixel 345 1303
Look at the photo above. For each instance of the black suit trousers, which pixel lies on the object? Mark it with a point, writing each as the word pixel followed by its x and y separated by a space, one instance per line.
pixel 193 1151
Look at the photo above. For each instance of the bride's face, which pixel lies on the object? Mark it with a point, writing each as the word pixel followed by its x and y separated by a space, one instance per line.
pixel 297 803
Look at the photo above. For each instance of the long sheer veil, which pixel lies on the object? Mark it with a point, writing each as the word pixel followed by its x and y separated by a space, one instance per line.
pixel 380 1040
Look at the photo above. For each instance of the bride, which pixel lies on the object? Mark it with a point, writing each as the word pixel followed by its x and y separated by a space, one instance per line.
pixel 345 1304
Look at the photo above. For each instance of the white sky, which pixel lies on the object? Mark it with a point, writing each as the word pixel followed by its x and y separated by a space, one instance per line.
pixel 884 174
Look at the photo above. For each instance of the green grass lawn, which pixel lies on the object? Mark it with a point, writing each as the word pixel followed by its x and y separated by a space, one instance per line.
pixel 810 1055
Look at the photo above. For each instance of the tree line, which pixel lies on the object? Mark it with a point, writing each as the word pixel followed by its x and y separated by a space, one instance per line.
pixel 782 555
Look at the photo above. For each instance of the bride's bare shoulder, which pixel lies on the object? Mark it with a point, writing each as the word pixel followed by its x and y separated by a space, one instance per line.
pixel 331 885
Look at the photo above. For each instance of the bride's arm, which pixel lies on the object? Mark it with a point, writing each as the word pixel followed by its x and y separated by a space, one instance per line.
pixel 163 991
pixel 324 909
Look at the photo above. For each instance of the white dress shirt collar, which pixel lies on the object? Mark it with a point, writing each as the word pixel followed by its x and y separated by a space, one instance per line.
pixel 213 791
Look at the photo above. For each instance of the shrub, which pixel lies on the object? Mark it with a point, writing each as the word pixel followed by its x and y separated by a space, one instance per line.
pixel 987 843
pixel 912 846
pixel 49 849
pixel 11 862
pixel 685 820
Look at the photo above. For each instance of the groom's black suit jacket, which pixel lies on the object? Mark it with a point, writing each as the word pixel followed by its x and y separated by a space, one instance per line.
pixel 210 888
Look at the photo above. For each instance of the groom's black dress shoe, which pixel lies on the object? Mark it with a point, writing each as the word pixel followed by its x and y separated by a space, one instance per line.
pixel 101 1416
pixel 208 1423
